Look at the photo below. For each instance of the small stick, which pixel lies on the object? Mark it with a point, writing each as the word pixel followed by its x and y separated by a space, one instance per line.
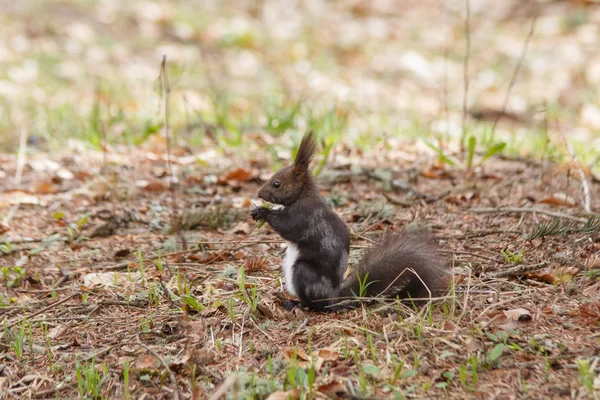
pixel 164 79
pixel 518 270
pixel 513 79
pixel 466 71
pixel 526 210
pixel 163 362
pixel 43 310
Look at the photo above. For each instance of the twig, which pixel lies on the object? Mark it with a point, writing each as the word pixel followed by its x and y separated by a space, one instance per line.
pixel 477 234
pixel 513 79
pixel 464 311
pixel 164 79
pixel 365 238
pixel 466 71
pixel 516 271
pixel 43 310
pixel 163 362
pixel 492 210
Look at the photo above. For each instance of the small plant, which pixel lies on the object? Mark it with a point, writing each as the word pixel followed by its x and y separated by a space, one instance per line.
pixel 159 262
pixel 252 299
pixel 397 371
pixel 141 266
pixel 17 339
pixel 586 374
pixel 126 394
pixel 512 258
pixel 231 309
pixel 5 248
pixel 363 285
pixel 90 380
pixel 153 297
pixel 144 324
pixel 13 276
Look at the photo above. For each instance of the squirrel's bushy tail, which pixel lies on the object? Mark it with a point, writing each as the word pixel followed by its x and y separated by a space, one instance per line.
pixel 407 265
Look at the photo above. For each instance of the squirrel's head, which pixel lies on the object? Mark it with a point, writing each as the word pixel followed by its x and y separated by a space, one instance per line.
pixel 289 183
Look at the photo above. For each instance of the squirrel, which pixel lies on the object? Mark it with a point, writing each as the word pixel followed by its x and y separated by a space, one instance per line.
pixel 404 265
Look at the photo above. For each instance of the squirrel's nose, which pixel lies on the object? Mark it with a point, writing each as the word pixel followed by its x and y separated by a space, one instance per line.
pixel 261 193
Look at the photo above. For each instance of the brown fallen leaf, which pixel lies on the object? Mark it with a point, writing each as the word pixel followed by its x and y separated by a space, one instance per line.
pixel 548 278
pixel 593 290
pixel 45 188
pixel 559 199
pixel 328 355
pixel 474 345
pixel 239 174
pixel 332 389
pixel 289 395
pixel 154 186
pixel 147 362
pixel 288 354
pixel 58 331
pixel 449 326
pixel 518 314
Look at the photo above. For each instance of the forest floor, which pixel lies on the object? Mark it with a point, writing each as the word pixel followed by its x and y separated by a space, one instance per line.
pixel 94 288
pixel 480 126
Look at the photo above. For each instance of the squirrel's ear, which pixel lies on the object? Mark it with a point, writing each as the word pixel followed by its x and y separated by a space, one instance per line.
pixel 306 151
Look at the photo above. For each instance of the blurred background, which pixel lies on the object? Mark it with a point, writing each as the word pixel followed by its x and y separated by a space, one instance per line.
pixel 84 73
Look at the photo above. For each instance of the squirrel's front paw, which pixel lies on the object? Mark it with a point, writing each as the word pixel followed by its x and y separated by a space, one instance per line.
pixel 259 213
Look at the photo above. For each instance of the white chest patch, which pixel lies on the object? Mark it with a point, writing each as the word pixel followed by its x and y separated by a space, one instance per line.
pixel 291 254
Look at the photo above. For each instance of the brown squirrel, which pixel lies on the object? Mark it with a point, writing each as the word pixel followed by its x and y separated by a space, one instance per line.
pixel 406 265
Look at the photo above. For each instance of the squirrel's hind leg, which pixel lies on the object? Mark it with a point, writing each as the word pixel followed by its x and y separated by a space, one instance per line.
pixel 315 290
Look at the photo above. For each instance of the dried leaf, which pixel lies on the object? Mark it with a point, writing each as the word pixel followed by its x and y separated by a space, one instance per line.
pixel 475 345
pixel 45 188
pixel 147 362
pixel 518 314
pixel 152 186
pixel 328 355
pixel 58 331
pixel 239 175
pixel 111 278
pixel 332 389
pixel 289 395
pixel 559 199
pixel 548 278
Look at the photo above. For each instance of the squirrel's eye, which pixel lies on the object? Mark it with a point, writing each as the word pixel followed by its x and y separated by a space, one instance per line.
pixel 276 184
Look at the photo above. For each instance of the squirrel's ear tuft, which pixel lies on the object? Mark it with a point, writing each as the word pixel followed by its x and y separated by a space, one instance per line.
pixel 306 151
